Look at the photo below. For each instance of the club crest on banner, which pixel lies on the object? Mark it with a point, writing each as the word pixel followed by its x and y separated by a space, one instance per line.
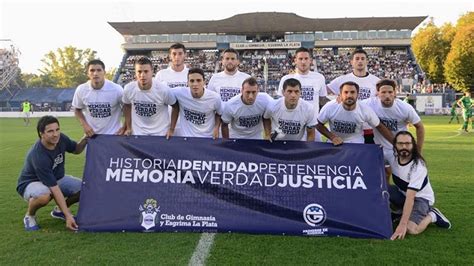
pixel 149 211
pixel 314 214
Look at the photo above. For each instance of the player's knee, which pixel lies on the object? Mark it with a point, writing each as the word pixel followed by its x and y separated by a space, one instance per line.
pixel 414 229
pixel 43 200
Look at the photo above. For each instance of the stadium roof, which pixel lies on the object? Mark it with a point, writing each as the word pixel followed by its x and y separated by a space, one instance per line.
pixel 267 22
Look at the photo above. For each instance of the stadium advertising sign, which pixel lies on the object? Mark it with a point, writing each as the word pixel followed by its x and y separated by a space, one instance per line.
pixel 265 45
pixel 152 184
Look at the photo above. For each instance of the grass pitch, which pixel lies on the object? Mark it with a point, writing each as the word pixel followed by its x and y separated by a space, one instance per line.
pixel 450 157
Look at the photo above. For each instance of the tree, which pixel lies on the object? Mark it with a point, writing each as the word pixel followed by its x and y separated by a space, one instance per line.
pixel 66 66
pixel 109 74
pixel 459 66
pixel 29 80
pixel 430 50
pixel 465 20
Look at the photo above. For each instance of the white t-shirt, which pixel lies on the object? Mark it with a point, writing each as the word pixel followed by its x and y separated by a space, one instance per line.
pixel 313 86
pixel 245 120
pixel 102 108
pixel 172 78
pixel 395 118
pixel 348 125
pixel 412 177
pixel 149 108
pixel 227 86
pixel 197 114
pixel 366 84
pixel 292 123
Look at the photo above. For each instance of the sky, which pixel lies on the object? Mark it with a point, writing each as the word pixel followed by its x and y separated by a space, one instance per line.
pixel 37 27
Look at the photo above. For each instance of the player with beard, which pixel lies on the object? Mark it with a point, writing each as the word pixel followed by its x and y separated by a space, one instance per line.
pixel 412 192
pixel 365 80
pixel 346 119
pixel 228 83
pixel 395 115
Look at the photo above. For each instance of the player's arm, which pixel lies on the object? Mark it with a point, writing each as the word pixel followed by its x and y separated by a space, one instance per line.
pixel 310 134
pixel 174 120
pixel 459 103
pixel 267 129
pixel 217 125
pixel 87 128
pixel 402 227
pixel 121 131
pixel 81 145
pixel 225 130
pixel 386 133
pixel 323 100
pixel 420 135
pixel 61 202
pixel 127 112
pixel 336 140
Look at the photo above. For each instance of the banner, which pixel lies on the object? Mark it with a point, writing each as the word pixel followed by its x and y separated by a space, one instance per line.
pixel 265 45
pixel 150 184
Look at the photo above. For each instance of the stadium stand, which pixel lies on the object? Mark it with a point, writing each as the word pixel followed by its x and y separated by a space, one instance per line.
pixel 266 42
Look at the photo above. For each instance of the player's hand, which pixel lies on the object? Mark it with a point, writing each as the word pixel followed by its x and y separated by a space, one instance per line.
pixel 400 232
pixel 336 141
pixel 127 132
pixel 89 131
pixel 170 133
pixel 121 131
pixel 268 137
pixel 71 223
pixel 215 133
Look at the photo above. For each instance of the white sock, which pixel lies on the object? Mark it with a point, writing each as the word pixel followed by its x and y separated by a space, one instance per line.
pixel 433 217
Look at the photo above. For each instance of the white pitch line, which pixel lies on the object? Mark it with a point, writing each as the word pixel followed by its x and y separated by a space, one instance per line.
pixel 202 249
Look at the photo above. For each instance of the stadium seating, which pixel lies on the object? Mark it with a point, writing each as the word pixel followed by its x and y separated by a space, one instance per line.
pixel 331 62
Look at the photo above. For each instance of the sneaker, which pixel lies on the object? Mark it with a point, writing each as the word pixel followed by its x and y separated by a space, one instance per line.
pixel 30 223
pixel 58 214
pixel 441 220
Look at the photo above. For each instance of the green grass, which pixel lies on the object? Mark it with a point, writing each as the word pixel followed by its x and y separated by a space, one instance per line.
pixel 450 157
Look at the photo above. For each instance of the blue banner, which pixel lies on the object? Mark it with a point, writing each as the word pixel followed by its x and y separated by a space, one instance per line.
pixel 145 183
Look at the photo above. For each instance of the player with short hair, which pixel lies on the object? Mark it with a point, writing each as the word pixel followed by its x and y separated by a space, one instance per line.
pixel 453 112
pixel 244 112
pixel 346 119
pixel 26 108
pixel 313 83
pixel 365 80
pixel 228 82
pixel 98 102
pixel 146 102
pixel 291 116
pixel 394 114
pixel 412 193
pixel 176 75
pixel 42 177
pixel 200 109
pixel 466 104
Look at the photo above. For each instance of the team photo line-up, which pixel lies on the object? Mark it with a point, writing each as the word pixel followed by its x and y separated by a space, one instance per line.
pixel 177 102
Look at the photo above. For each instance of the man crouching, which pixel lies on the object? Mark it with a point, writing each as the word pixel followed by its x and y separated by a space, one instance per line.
pixel 42 177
